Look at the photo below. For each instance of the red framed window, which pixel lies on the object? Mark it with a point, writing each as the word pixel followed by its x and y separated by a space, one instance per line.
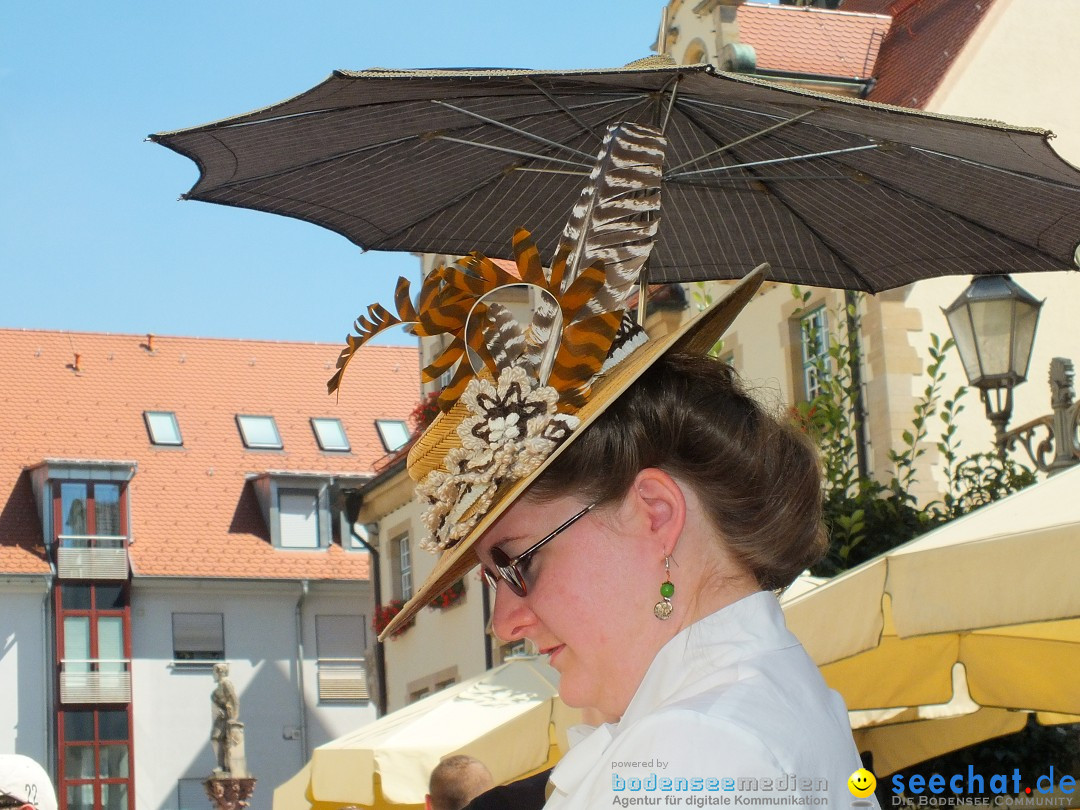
pixel 89 513
pixel 95 759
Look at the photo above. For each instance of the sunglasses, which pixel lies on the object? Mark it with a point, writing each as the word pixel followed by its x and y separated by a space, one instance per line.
pixel 511 571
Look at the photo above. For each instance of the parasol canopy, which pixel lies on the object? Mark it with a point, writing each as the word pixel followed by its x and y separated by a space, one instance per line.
pixel 830 191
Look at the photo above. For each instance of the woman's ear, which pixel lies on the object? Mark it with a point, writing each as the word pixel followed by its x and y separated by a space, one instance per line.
pixel 660 506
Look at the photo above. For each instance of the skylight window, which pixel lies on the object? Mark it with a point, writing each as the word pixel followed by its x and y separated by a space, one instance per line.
pixel 259 432
pixel 330 434
pixel 163 428
pixel 394 433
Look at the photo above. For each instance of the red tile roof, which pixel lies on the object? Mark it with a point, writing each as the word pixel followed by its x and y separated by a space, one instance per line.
pixel 804 39
pixel 924 41
pixel 193 513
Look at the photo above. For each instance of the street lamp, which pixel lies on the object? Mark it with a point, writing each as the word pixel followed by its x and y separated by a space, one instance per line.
pixel 993 325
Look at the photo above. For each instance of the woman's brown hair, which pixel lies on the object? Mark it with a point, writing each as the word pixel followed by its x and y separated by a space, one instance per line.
pixel 758 477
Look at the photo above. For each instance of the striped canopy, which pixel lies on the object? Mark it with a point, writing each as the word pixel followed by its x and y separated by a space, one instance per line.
pixel 831 192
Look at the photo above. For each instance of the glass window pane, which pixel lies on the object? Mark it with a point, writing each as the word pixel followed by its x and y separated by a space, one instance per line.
pixel 394 433
pixel 79 762
pixel 163 427
pixel 113 760
pixel 77 644
pixel 110 641
pixel 108 597
pixel 107 509
pixel 298 516
pixel 112 724
pixel 79 726
pixel 114 797
pixel 198 637
pixel 330 434
pixel 80 797
pixel 405 566
pixel 75 597
pixel 259 432
pixel 73 508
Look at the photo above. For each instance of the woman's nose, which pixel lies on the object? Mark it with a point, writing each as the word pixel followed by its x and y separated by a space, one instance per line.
pixel 511 617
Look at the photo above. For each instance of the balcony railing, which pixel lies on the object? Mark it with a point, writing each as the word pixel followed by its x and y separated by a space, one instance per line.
pixel 84 556
pixel 95 680
pixel 342 679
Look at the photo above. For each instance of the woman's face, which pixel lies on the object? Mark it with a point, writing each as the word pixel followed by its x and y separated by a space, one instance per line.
pixel 591 592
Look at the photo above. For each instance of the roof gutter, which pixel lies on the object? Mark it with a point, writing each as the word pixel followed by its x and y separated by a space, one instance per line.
pixel 861 86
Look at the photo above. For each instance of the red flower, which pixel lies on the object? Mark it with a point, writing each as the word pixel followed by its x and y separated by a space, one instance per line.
pixel 383 616
pixel 450 597
pixel 425 412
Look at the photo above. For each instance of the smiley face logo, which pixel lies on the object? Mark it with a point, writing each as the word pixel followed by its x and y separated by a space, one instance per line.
pixel 861 783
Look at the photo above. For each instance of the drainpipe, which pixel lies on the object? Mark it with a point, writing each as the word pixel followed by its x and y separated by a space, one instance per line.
pixel 354 499
pixel 300 671
pixel 48 657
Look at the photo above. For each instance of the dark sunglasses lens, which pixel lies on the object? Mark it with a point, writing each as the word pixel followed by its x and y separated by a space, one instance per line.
pixel 508 570
pixel 491 579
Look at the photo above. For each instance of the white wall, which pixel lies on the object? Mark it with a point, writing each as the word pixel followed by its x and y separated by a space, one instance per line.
pixel 171 711
pixel 423 650
pixel 1018 68
pixel 25 636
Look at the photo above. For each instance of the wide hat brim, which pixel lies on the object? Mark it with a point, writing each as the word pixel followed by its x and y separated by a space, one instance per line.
pixel 696 336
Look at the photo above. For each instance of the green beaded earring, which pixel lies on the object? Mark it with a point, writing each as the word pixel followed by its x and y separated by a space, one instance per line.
pixel 662 609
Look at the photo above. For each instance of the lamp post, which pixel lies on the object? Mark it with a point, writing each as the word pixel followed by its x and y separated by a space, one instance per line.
pixel 993 325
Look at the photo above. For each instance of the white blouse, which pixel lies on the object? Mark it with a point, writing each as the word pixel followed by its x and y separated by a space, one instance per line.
pixel 731 706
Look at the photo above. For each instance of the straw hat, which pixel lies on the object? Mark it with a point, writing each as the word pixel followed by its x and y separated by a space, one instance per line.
pixel 530 380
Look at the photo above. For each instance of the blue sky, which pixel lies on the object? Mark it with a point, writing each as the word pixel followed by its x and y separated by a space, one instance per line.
pixel 92 237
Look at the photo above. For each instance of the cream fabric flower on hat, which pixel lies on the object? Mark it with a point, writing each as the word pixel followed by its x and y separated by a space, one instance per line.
pixel 514 425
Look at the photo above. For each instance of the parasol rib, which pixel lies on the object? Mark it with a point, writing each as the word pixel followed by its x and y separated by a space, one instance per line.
pixel 522 132
pixel 507 150
pixel 748 138
pixel 774 161
pixel 1043 180
pixel 549 171
pixel 671 103
pixel 566 111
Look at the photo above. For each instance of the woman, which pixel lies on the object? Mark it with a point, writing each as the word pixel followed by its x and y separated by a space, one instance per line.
pixel 685 480
pixel 632 507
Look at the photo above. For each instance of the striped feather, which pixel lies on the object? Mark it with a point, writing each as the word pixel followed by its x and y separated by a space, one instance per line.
pixel 541 338
pixel 528 259
pixel 502 336
pixel 453 391
pixel 616 216
pixel 444 362
pixel 584 348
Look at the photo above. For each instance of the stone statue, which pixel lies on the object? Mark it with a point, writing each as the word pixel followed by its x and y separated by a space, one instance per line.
pixel 230 786
pixel 227 732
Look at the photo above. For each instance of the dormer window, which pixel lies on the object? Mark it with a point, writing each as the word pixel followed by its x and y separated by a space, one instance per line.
pixel 259 432
pixel 163 428
pixel 393 433
pixel 330 434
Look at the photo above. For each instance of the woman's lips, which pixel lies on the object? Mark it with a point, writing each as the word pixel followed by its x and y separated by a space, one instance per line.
pixel 551 652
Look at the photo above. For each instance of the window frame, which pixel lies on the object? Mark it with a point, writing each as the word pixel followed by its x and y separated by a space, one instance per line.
pixel 316 421
pixel 379 429
pixel 196 663
pixel 249 445
pixel 813 325
pixel 314 495
pixel 341 678
pixel 97 744
pixel 154 439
